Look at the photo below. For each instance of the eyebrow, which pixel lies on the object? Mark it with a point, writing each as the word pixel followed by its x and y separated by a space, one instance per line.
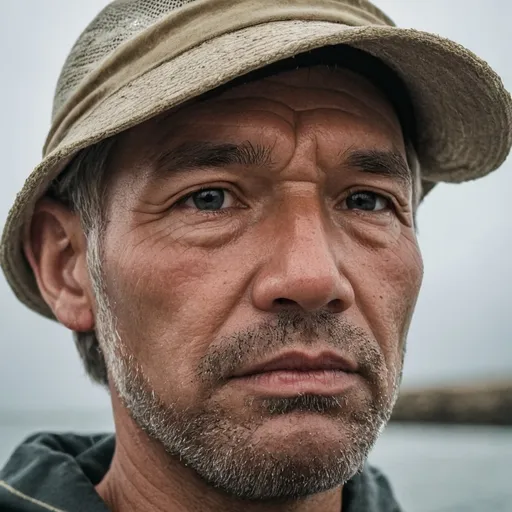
pixel 390 164
pixel 197 154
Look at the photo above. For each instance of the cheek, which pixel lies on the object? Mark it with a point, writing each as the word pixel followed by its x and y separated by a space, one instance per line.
pixel 387 290
pixel 170 302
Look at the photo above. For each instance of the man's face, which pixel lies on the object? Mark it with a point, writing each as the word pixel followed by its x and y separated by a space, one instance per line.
pixel 275 219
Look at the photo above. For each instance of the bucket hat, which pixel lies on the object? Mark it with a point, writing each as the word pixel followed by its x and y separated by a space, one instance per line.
pixel 139 58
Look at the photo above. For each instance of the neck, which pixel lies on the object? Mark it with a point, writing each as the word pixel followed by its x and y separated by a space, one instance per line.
pixel 142 477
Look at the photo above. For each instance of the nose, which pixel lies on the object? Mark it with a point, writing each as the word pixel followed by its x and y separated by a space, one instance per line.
pixel 303 272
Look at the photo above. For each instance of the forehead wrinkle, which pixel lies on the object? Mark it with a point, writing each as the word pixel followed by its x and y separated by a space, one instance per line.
pixel 346 95
pixel 352 85
pixel 357 108
pixel 341 91
pixel 285 112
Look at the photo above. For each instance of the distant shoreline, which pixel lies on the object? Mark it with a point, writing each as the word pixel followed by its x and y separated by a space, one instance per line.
pixel 474 404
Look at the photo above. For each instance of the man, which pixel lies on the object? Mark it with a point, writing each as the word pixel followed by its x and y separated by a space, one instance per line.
pixel 225 217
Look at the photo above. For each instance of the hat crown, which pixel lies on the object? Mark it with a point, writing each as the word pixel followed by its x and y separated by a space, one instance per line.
pixel 120 21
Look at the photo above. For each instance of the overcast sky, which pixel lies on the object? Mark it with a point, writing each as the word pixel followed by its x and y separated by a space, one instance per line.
pixel 463 323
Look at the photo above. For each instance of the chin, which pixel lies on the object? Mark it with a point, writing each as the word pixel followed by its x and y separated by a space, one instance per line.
pixel 287 458
pixel 307 428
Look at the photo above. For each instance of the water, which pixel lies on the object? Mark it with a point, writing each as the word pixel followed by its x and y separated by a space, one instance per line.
pixel 431 468
pixel 448 469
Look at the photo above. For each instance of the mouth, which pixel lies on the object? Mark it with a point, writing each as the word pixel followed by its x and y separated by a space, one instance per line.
pixel 295 373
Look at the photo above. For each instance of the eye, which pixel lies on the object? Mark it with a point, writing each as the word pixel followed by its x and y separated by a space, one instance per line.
pixel 209 199
pixel 368 201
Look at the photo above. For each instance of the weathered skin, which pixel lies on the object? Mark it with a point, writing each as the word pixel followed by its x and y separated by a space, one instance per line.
pixel 180 279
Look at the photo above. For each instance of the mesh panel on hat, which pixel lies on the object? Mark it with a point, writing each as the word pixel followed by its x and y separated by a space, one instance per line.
pixel 118 22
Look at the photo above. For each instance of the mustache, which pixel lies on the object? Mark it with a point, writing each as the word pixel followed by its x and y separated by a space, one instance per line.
pixel 284 330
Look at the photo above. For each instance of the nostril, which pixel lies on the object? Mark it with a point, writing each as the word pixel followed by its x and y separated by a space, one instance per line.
pixel 335 305
pixel 281 301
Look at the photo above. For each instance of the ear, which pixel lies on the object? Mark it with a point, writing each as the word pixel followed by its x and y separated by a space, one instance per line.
pixel 56 249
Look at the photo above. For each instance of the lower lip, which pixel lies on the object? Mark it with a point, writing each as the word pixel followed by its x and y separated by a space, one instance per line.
pixel 294 382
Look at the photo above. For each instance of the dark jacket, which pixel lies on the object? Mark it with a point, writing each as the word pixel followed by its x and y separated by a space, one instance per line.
pixel 58 473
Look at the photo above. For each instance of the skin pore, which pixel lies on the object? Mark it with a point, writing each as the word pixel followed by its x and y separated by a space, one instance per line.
pixel 275 216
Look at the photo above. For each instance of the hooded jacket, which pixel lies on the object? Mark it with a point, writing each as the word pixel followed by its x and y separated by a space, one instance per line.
pixel 59 472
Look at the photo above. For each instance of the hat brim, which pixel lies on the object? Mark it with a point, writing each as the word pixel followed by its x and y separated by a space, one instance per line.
pixel 463 112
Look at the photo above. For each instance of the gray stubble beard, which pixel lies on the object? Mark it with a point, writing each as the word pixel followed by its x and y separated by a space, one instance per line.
pixel 221 451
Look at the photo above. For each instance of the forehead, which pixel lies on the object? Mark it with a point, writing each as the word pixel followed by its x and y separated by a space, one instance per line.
pixel 334 101
pixel 306 88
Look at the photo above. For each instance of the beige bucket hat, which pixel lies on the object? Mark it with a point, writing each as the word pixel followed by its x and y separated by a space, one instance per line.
pixel 139 58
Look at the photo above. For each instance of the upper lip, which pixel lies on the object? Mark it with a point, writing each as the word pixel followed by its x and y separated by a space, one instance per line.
pixel 300 361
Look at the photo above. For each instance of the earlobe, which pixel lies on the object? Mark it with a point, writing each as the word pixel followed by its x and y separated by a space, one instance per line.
pixel 56 249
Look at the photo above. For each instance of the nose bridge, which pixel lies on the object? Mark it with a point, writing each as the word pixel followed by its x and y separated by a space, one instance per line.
pixel 304 244
pixel 303 269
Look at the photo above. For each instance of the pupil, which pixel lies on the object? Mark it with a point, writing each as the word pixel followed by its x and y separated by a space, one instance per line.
pixel 362 201
pixel 212 199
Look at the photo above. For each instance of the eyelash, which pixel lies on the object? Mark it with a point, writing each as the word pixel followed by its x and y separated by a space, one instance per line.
pixel 229 211
pixel 389 199
pixel 209 213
